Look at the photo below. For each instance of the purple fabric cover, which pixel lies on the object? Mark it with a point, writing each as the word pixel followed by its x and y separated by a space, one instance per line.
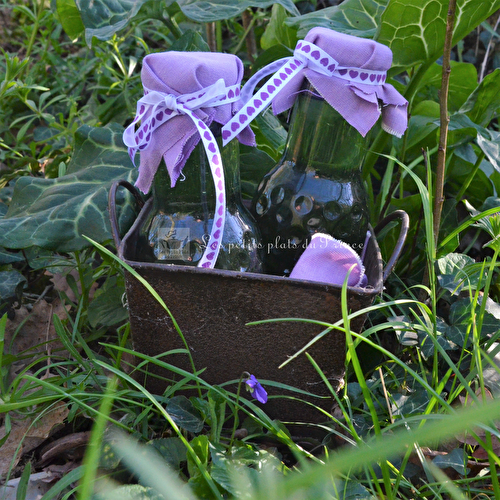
pixel 328 260
pixel 357 103
pixel 180 73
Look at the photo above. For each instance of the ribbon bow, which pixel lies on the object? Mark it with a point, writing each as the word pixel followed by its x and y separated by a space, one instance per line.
pixel 156 108
pixel 306 55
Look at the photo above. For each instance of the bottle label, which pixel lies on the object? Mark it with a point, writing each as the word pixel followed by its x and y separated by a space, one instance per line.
pixel 172 244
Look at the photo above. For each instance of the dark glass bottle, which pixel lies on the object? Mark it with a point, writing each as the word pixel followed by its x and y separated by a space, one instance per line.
pixel 178 226
pixel 316 186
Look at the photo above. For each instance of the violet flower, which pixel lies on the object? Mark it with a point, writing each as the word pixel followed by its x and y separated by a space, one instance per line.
pixel 257 391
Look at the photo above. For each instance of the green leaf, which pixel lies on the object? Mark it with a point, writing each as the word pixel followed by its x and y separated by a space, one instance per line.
pixel 462 318
pixel 354 17
pixel 415 29
pixel 254 164
pixel 270 135
pixel 172 450
pixel 277 32
pixel 484 101
pixel 455 272
pixel 455 459
pixel 55 213
pixel 200 445
pixel 491 148
pixel 70 19
pixel 463 82
pixel 130 492
pixel 184 414
pixel 442 338
pixel 190 41
pixel 107 308
pixel 7 257
pixel 103 18
pixel 11 286
pixel 411 403
pixel 205 11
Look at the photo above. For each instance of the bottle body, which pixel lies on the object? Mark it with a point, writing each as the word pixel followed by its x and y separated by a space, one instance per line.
pixel 177 229
pixel 315 188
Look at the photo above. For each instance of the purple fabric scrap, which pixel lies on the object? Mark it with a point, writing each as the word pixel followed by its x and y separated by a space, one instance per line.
pixel 179 73
pixel 356 102
pixel 328 260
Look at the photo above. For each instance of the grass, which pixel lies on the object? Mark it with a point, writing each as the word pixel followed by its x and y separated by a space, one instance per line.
pixel 417 416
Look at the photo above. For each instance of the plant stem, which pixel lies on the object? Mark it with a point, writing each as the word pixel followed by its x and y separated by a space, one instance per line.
pixel 211 41
pixel 444 120
pixel 236 407
pixel 485 60
pixel 218 35
pixel 248 22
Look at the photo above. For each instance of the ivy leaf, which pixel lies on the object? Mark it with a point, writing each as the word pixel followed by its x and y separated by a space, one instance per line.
pixel 217 10
pixel 103 18
pixel 106 308
pixel 190 41
pixel 415 29
pixel 7 257
pixel 184 414
pixel 454 272
pixel 491 148
pixel 130 492
pixel 408 404
pixel 354 17
pixel 55 213
pixel 69 17
pixel 427 343
pixel 454 459
pixel 172 450
pixel 462 320
pixel 11 286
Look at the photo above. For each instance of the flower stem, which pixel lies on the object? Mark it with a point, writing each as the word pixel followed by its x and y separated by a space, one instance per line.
pixel 444 120
pixel 236 406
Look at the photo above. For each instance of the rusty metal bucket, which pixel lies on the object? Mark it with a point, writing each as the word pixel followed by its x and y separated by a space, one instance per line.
pixel 212 308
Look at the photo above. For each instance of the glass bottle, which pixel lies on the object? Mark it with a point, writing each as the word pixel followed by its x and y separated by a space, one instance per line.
pixel 177 229
pixel 316 186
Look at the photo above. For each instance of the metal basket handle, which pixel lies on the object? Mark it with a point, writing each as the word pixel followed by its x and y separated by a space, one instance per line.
pixel 112 207
pixel 405 224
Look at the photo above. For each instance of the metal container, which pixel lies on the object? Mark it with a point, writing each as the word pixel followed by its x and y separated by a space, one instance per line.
pixel 213 308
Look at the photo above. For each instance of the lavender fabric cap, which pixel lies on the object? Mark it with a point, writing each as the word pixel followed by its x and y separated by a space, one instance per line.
pixel 328 260
pixel 179 73
pixel 358 103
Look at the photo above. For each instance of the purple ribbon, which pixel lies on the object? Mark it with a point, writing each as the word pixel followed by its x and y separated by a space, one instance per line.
pixel 156 108
pixel 353 91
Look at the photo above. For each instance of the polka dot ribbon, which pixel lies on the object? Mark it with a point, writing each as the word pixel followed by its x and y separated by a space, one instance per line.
pixel 305 55
pixel 156 108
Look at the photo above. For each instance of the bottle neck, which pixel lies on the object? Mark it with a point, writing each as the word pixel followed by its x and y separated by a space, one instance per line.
pixel 195 183
pixel 320 138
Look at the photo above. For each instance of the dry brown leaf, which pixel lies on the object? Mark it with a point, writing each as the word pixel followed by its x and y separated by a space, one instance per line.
pixel 27 434
pixel 31 330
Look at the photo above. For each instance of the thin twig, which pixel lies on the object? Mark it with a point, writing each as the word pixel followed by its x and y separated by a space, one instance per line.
pixel 444 119
pixel 386 396
pixel 248 22
pixel 487 53
pixel 211 38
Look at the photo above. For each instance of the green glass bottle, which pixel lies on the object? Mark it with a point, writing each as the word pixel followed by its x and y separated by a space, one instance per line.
pixel 177 228
pixel 316 186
